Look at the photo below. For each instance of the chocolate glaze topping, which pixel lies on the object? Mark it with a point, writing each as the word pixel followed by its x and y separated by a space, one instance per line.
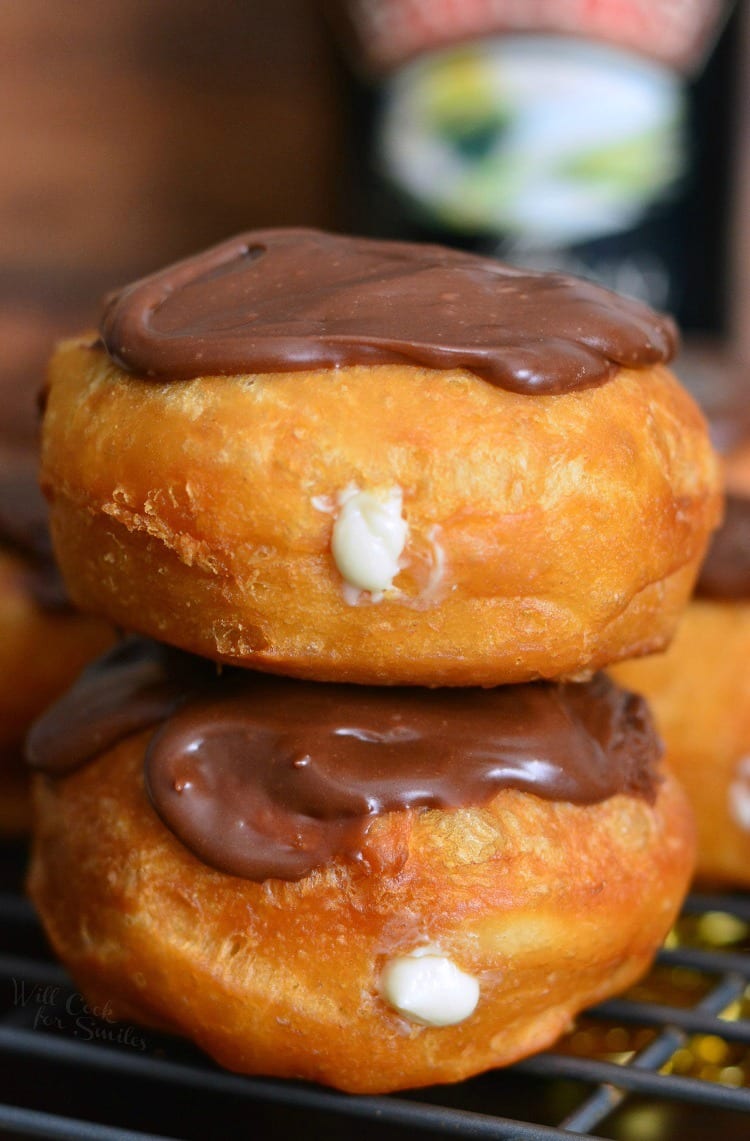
pixel 134 685
pixel 266 777
pixel 284 300
pixel 725 574
pixel 24 529
pixel 720 383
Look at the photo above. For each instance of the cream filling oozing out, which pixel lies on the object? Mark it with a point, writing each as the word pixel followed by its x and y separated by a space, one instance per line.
pixel 429 988
pixel 369 535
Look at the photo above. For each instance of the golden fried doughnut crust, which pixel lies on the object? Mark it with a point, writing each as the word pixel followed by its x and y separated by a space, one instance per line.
pixel 550 906
pixel 548 535
pixel 41 652
pixel 699 692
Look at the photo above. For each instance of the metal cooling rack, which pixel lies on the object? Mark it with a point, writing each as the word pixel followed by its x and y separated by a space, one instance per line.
pixel 671 1060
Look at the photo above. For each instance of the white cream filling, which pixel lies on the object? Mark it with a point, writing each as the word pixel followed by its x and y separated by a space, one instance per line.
pixel 368 538
pixel 429 988
pixel 739 794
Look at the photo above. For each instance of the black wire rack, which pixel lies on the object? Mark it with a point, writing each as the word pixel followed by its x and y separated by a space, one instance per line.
pixel 669 1061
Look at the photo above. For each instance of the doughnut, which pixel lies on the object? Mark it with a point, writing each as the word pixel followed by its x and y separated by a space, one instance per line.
pixel 43 642
pixel 358 461
pixel 375 888
pixel 700 688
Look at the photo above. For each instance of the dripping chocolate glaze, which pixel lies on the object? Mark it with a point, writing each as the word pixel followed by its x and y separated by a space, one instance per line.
pixel 24 529
pixel 267 777
pixel 283 300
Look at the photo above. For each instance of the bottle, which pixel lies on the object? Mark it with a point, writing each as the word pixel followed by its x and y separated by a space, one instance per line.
pixel 556 135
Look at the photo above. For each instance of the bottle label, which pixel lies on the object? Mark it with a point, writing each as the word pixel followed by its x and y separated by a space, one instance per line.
pixel 547 141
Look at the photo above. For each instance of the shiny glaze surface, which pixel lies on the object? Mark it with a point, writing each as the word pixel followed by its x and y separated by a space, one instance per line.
pixel 263 776
pixel 286 300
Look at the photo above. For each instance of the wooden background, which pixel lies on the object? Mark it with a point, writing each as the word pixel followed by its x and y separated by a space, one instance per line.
pixel 135 131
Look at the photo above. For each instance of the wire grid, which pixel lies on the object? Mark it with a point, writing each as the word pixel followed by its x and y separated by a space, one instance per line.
pixel 669 1060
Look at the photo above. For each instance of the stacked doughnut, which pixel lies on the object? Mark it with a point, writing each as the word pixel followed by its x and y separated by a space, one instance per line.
pixel 44 643
pixel 354 804
pixel 700 688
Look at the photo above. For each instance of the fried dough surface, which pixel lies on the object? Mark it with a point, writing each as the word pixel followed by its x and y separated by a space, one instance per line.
pixel 547 535
pixel 699 691
pixel 550 906
pixel 41 652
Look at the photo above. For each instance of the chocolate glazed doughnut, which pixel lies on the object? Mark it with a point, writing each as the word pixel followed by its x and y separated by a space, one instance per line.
pixel 43 642
pixel 288 854
pixel 267 778
pixel 700 688
pixel 364 461
pixel 402 467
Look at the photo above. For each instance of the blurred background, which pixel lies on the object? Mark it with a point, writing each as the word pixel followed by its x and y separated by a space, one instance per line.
pixel 608 137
